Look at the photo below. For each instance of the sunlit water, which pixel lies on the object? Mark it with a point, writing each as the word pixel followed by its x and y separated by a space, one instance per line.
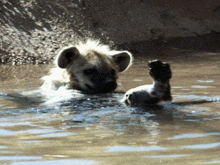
pixel 99 129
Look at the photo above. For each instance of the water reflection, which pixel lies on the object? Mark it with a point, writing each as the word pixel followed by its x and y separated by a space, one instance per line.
pixel 194 135
pixel 134 149
pixel 3 147
pixel 202 86
pixel 16 158
pixel 58 162
pixel 61 134
pixel 212 162
pixel 6 133
pixel 203 146
pixel 164 156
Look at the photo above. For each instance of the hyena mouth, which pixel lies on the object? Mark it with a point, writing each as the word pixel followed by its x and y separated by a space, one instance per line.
pixel 101 88
pixel 108 87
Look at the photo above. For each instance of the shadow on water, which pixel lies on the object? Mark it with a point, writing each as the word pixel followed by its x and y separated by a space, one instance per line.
pixel 167 111
pixel 93 101
pixel 22 101
pixel 99 108
pixel 186 103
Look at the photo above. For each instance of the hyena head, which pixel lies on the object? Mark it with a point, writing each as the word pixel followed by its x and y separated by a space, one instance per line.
pixel 92 67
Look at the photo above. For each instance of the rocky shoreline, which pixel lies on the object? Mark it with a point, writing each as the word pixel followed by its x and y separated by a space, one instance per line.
pixel 32 32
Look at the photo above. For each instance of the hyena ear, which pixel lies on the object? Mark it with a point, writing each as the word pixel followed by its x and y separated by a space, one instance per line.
pixel 66 55
pixel 123 60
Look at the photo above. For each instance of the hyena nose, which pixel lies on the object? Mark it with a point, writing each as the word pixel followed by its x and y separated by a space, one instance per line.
pixel 103 83
pixel 107 86
pixel 111 83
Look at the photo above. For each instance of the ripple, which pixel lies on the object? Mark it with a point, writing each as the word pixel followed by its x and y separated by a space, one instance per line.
pixel 201 87
pixel 58 162
pixel 194 135
pixel 213 162
pixel 60 134
pixel 6 133
pixel 206 81
pixel 3 147
pixel 134 149
pixel 164 156
pixel 203 146
pixel 19 158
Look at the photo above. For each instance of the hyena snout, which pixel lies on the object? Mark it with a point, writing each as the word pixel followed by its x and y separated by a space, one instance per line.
pixel 102 83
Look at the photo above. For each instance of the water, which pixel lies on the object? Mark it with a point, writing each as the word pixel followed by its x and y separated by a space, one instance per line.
pixel 99 129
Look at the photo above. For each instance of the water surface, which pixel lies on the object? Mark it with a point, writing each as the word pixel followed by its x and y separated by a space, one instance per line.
pixel 99 129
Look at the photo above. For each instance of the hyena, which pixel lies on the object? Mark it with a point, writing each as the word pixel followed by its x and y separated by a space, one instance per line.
pixel 89 67
pixel 153 93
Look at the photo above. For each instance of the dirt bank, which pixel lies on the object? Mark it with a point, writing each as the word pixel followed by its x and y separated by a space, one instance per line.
pixel 34 31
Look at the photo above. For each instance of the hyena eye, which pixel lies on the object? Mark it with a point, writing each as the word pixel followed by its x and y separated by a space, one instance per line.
pixel 113 72
pixel 89 71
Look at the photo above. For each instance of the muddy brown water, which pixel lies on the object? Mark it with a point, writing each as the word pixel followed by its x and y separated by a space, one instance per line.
pixel 99 129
